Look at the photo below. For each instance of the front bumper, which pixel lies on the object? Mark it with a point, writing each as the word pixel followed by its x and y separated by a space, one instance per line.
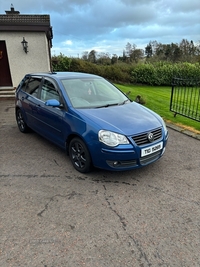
pixel 126 157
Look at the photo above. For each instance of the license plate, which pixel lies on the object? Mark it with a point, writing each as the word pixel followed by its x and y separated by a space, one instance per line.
pixel 151 149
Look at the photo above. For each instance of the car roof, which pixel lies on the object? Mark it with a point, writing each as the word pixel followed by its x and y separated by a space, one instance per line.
pixel 65 75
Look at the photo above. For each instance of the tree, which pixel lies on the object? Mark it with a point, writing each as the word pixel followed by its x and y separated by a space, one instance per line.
pixel 92 56
pixel 61 63
pixel 114 59
pixel 85 55
pixel 137 55
pixel 185 48
pixel 104 58
pixel 149 51
pixel 128 49
pixel 177 54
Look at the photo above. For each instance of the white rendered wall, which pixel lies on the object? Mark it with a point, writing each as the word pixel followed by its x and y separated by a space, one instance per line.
pixel 20 63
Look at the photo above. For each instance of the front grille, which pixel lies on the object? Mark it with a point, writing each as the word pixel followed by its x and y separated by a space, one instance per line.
pixel 142 138
pixel 149 158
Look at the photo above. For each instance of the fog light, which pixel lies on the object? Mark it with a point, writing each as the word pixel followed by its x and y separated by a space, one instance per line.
pixel 115 163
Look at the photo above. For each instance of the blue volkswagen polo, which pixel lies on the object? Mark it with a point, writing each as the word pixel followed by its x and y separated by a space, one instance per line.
pixel 91 119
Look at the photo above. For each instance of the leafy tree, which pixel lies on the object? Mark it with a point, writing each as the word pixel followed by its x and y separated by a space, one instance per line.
pixel 149 51
pixel 104 58
pixel 114 59
pixel 92 56
pixel 137 55
pixel 177 54
pixel 185 48
pixel 61 63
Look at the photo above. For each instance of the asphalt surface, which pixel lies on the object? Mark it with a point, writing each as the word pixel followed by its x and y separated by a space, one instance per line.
pixel 53 216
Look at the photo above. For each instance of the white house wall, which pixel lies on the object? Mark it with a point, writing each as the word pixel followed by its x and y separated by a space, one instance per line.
pixel 20 63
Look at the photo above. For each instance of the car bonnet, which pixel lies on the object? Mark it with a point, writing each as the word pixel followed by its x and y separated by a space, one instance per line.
pixel 128 119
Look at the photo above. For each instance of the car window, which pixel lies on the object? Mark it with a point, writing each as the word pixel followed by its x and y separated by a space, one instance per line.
pixel 104 89
pixel 23 84
pixel 33 85
pixel 92 93
pixel 49 91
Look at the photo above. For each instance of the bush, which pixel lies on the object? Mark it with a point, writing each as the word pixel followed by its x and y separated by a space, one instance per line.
pixel 162 73
pixel 61 63
pixel 115 73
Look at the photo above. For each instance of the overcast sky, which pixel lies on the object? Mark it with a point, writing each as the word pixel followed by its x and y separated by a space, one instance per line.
pixel 108 25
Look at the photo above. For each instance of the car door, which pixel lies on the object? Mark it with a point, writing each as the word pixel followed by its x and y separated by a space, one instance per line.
pixel 28 98
pixel 50 119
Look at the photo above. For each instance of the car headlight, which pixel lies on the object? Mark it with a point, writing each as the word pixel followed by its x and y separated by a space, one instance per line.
pixel 111 138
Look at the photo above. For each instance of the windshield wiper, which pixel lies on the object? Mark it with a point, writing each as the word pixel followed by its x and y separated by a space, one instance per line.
pixel 124 102
pixel 108 105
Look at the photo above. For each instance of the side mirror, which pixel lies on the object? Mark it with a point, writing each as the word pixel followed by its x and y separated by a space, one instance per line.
pixel 52 103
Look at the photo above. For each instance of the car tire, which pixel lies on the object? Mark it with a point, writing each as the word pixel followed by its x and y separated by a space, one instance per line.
pixel 21 123
pixel 79 155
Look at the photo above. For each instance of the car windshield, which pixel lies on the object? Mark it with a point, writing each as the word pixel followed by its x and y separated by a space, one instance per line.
pixel 93 93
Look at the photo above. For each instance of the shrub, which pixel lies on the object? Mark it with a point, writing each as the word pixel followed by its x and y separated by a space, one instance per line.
pixel 162 73
pixel 61 63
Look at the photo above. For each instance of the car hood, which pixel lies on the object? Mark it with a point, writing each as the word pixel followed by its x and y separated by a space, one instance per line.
pixel 127 119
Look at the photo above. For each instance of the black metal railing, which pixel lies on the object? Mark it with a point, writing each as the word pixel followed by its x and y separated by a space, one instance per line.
pixel 185 98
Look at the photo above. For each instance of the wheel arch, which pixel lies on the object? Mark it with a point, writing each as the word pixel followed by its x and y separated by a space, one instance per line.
pixel 72 136
pixel 79 154
pixel 17 107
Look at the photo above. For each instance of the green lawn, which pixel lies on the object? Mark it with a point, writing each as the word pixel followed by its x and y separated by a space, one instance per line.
pixel 158 99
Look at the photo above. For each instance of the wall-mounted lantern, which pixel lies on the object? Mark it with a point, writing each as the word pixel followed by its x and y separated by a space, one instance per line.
pixel 25 45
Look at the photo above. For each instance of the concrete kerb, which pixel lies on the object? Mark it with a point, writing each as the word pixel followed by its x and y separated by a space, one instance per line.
pixel 183 130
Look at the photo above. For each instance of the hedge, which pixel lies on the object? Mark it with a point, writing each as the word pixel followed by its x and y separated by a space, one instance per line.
pixel 163 73
pixel 159 73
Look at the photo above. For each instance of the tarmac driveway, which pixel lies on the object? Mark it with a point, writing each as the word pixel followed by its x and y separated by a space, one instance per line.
pixel 53 216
